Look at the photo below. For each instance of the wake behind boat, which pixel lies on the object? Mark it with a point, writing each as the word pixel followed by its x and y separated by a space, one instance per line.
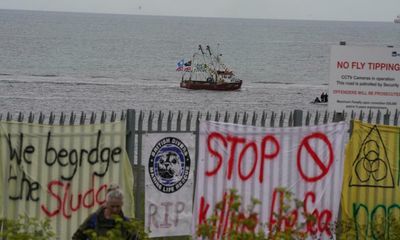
pixel 206 71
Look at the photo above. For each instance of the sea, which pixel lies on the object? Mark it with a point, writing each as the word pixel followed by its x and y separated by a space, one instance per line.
pixel 53 62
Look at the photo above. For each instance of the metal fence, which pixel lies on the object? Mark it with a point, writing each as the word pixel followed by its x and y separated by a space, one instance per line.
pixel 142 122
pixel 185 122
pixel 63 118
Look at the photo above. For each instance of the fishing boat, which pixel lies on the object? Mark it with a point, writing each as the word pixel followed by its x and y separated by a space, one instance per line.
pixel 397 20
pixel 207 71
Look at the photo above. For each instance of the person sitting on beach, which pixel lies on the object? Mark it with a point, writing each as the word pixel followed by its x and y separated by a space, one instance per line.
pixel 324 97
pixel 317 100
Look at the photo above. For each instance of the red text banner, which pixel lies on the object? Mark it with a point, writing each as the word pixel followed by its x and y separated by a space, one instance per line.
pixel 258 161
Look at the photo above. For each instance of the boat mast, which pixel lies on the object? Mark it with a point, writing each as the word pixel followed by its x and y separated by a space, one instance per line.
pixel 207 69
pixel 202 53
pixel 214 70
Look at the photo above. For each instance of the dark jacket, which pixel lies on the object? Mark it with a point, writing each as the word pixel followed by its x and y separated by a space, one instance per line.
pixel 97 222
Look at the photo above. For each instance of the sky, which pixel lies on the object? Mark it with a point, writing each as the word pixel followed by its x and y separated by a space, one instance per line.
pixel 341 10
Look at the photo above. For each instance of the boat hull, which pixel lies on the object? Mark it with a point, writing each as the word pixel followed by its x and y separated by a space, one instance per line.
pixel 199 85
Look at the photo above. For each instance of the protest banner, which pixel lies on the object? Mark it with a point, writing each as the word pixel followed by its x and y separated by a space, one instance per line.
pixel 371 192
pixel 258 161
pixel 169 183
pixel 62 172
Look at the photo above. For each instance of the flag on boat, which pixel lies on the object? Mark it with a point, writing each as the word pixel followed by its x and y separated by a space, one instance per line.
pixel 180 64
pixel 188 66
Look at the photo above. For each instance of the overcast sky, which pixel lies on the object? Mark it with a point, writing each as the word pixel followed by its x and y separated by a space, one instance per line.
pixel 352 10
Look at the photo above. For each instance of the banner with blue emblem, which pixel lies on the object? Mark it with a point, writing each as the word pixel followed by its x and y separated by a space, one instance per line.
pixel 169 165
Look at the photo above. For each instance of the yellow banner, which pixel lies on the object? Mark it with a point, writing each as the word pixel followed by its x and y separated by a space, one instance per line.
pixel 62 172
pixel 371 187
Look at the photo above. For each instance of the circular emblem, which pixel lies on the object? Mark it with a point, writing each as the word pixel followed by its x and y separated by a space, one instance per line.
pixel 169 165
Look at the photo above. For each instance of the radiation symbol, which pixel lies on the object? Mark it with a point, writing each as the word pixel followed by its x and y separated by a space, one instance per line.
pixel 372 167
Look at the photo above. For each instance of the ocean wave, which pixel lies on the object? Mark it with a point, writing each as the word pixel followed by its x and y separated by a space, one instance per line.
pixel 44 75
pixel 100 76
pixel 56 83
pixel 274 82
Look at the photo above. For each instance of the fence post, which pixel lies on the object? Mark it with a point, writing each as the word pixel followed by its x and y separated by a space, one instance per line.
pixel 139 171
pixel 236 118
pixel 308 117
pixel 281 119
pixel 272 121
pixel 160 120
pixel 338 116
pixel 263 118
pixel 254 119
pixel 169 121
pixel 20 117
pixel 130 134
pixel 297 118
pixel 83 118
pixel 62 119
pixel 378 117
pixel 40 121
pixel 188 121
pixel 93 118
pixel 244 120
pixel 31 117
pixel 317 116
pixel 150 121
pixel 130 149
pixel 179 121
pixel 103 117
pixel 113 116
pixel 226 118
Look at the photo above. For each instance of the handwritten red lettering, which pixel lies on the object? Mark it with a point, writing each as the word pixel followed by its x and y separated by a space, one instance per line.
pixel 222 216
pixel 234 140
pixel 253 146
pixel 203 210
pixel 211 137
pixel 320 163
pixel 227 220
pixel 240 145
pixel 281 221
pixel 265 155
pixel 66 199
pixel 53 194
pixel 322 220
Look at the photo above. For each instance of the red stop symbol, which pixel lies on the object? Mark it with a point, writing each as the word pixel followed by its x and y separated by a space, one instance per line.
pixel 322 165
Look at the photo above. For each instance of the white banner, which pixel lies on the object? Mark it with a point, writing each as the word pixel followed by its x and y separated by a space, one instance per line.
pixel 364 78
pixel 169 183
pixel 255 161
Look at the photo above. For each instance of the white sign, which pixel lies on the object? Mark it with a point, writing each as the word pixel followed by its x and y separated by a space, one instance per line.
pixel 364 78
pixel 257 162
pixel 169 183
